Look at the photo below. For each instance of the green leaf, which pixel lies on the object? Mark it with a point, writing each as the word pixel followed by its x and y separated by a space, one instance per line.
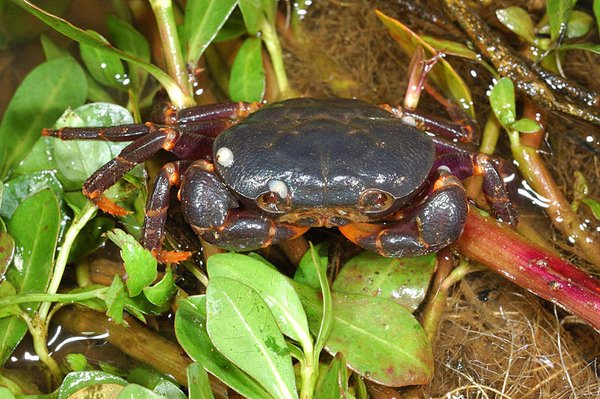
pixel 39 100
pixel 91 237
pixel 405 281
pixel 161 293
pixel 22 187
pixel 190 329
pixel 381 340
pixel 526 125
pixel 140 265
pixel 51 50
pixel 168 389
pixel 147 376
pixel 594 48
pixel 247 81
pixel 442 74
pixel 76 362
pixel 271 285
pixel 580 24
pixel 128 39
pixel 594 206
pixel 104 66
pixel 502 100
pixel 335 382
pixel 35 239
pixel 84 37
pixel 233 27
pixel 203 20
pixel 198 384
pixel 7 252
pixel 517 20
pixel 134 391
pixel 115 300
pixel 7 289
pixel 597 11
pixel 559 12
pixel 78 380
pixel 253 15
pixel 242 328
pixel 306 273
pixel 5 393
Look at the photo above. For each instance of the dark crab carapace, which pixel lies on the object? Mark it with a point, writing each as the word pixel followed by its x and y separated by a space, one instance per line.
pixel 300 163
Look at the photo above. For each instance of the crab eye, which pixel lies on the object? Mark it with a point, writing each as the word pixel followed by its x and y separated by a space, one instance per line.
pixel 373 201
pixel 277 199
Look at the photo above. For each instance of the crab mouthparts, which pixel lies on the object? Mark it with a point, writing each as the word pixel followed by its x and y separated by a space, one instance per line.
pixel 323 217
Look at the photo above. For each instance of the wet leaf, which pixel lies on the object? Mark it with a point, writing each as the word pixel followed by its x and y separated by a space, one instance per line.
pixel 81 36
pixel 161 293
pixel 134 391
pixel 559 12
pixel 247 81
pixel 7 252
pixel 77 160
pixel 234 27
pixel 167 389
pixel 75 381
pixel 241 326
pixel 77 362
pixel 22 187
pixel 381 340
pixel 115 300
pixel 128 39
pixel 335 382
pixel 140 265
pixel 104 66
pixel 580 24
pixel 502 100
pixel 198 383
pixel 306 273
pixel 517 20
pixel 38 102
pixel 271 285
pixel 190 329
pixel 442 74
pixel 594 206
pixel 405 281
pixel 35 242
pixel 7 289
pixel 203 20
pixel 526 125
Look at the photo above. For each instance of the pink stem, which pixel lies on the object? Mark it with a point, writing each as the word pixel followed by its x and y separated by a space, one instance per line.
pixel 531 267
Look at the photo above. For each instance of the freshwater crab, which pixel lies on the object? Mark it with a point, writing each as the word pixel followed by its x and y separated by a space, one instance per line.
pixel 280 169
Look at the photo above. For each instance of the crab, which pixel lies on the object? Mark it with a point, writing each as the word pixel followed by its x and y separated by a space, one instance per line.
pixel 252 175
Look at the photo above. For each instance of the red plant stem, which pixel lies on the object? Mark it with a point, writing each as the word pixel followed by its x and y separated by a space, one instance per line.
pixel 531 267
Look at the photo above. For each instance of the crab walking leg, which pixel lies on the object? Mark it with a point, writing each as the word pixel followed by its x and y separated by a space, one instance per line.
pixel 211 210
pixel 429 227
pixel 494 190
pixel 153 230
pixel 163 112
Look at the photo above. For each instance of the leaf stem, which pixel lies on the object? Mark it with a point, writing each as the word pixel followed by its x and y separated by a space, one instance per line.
pixel 38 331
pixel 88 212
pixel 49 298
pixel 269 37
pixel 165 19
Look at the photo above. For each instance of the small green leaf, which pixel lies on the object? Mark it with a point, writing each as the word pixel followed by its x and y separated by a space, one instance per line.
pixel 190 329
pixel 103 65
pixel 140 265
pixel 580 24
pixel 306 273
pixel 526 125
pixel 7 289
pixel 442 74
pixel 502 100
pixel 91 237
pixel 252 11
pixel 168 389
pixel 128 39
pixel 161 293
pixel 234 27
pixel 134 391
pixel 335 382
pixel 242 328
pixel 271 285
pixel 51 50
pixel 559 12
pixel 381 340
pixel 115 300
pixel 247 81
pixel 38 102
pixel 76 362
pixel 594 206
pixel 5 393
pixel 198 384
pixel 597 11
pixel 405 281
pixel 203 20
pixel 517 20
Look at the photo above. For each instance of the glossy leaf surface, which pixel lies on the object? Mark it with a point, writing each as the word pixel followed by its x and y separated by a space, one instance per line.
pixel 247 81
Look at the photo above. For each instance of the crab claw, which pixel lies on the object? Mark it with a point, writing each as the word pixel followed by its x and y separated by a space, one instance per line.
pixel 171 256
pixel 109 206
